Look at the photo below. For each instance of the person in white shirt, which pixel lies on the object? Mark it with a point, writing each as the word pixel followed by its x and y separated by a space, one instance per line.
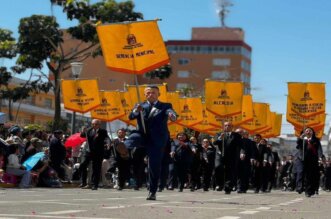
pixel 15 168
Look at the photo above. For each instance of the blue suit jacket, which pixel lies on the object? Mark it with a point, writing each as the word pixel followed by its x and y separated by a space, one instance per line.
pixel 157 133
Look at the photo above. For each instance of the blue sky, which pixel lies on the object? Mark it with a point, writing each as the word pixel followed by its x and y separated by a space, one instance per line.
pixel 290 39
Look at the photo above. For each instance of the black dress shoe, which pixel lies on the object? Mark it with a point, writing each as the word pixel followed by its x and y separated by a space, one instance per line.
pixel 160 190
pixel 94 188
pixel 218 188
pixel 151 196
pixel 82 185
pixel 227 192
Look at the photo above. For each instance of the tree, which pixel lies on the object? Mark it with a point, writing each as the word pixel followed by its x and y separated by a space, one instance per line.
pixel 41 40
pixel 161 73
pixel 8 49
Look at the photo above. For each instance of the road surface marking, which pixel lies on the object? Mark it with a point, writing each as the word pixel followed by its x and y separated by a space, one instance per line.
pixel 64 212
pixel 52 216
pixel 116 207
pixel 228 217
pixel 263 208
pixel 248 212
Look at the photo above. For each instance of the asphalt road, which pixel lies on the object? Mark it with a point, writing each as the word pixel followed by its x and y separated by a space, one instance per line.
pixel 77 203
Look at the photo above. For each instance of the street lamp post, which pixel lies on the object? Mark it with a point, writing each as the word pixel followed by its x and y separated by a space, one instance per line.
pixel 76 69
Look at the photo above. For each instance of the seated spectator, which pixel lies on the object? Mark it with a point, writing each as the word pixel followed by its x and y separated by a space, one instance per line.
pixel 15 168
pixel 2 155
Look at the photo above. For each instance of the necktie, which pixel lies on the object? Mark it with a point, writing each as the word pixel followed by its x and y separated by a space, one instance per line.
pixel 150 108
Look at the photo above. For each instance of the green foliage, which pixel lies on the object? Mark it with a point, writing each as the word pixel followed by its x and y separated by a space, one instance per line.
pixel 39 37
pixel 161 73
pixel 57 124
pixel 34 127
pixel 7 44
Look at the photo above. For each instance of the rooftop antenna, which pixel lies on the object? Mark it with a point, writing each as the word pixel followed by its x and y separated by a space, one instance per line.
pixel 222 9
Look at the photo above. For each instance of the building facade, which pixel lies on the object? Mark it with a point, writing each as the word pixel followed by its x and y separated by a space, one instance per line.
pixel 215 53
pixel 38 108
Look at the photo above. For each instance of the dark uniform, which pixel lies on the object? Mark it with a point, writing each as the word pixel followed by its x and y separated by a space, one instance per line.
pixel 226 162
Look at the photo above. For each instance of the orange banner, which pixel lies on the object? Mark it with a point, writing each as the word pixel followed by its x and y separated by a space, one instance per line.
pixel 173 98
pixel 306 99
pixel 190 111
pixel 127 105
pixel 224 98
pixel 134 47
pixel 205 125
pixel 275 126
pixel 111 107
pixel 174 129
pixel 80 95
pixel 245 116
pixel 260 115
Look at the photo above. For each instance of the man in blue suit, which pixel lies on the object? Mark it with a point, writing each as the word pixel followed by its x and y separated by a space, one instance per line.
pixel 153 125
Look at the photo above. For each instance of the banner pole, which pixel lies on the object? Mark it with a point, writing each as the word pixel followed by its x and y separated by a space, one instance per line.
pixel 139 101
pixel 111 139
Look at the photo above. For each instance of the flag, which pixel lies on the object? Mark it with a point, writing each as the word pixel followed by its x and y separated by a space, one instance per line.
pixel 134 47
pixel 205 124
pixel 224 98
pixel 80 95
pixel 260 113
pixel 190 111
pixel 306 99
pixel 298 120
pixel 111 107
pixel 173 98
pixel 127 105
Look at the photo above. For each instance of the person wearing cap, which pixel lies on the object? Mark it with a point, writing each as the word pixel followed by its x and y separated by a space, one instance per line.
pixel 57 153
pixel 34 147
pixel 152 117
pixel 15 138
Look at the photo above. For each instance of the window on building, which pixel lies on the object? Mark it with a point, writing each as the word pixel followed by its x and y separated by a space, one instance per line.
pixel 48 102
pixel 220 75
pixel 27 100
pixel 183 61
pixel 221 62
pixel 181 86
pixel 245 65
pixel 183 74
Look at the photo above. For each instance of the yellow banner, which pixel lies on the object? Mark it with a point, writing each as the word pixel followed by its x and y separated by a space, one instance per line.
pixel 260 115
pixel 297 120
pixel 174 129
pixel 245 116
pixel 275 126
pixel 306 99
pixel 80 95
pixel 127 105
pixel 224 98
pixel 190 111
pixel 205 124
pixel 173 98
pixel 135 47
pixel 134 97
pixel 111 106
